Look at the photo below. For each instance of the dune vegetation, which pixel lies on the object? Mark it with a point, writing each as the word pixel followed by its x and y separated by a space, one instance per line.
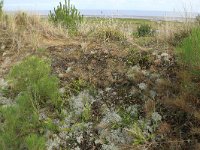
pixel 68 82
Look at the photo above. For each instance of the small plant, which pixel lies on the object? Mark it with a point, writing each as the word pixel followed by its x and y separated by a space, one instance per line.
pixel 20 122
pixel 33 75
pixel 67 15
pixel 144 30
pixel 34 88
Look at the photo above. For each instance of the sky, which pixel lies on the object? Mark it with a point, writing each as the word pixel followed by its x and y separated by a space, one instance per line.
pixel 157 5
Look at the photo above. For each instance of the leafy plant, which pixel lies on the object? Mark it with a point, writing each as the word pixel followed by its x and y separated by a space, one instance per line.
pixel 33 75
pixel 144 30
pixel 67 15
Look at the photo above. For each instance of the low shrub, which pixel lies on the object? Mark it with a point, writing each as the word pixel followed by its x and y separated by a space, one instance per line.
pixel 21 125
pixel 144 30
pixel 33 75
pixel 35 88
pixel 67 15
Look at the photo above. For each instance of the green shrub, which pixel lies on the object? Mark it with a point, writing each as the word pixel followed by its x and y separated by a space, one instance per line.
pixel 144 30
pixel 35 88
pixel 20 122
pixel 189 50
pixel 33 75
pixel 67 15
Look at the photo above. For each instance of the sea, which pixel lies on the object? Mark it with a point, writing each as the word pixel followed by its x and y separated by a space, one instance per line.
pixel 136 14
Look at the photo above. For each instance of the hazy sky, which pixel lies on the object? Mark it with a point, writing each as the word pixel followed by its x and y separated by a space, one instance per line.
pixel 163 5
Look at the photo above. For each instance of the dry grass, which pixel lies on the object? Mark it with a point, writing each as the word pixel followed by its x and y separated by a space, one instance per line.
pixel 174 32
pixel 22 31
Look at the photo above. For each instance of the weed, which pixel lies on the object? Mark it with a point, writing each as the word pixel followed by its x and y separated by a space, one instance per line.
pixel 144 30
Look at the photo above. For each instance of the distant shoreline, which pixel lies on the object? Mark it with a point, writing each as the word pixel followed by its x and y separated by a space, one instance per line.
pixel 148 15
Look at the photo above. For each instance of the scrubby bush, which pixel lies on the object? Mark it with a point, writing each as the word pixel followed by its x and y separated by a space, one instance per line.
pixel 67 15
pixel 190 49
pixel 21 125
pixel 34 88
pixel 144 30
pixel 33 75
